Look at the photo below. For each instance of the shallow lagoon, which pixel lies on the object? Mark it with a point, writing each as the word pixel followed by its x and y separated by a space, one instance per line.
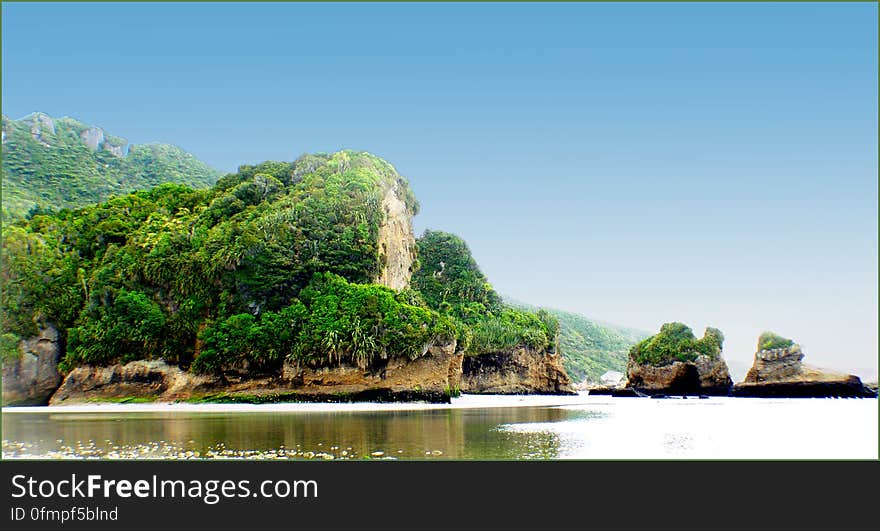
pixel 472 427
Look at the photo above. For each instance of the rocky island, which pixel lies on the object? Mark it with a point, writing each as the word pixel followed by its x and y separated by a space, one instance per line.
pixel 675 362
pixel 779 371
pixel 285 281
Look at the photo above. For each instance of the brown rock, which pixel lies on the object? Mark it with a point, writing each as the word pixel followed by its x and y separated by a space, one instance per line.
pixel 776 365
pixel 706 375
pixel 435 376
pixel 432 376
pixel 31 378
pixel 397 245
pixel 521 370
pixel 782 373
pixel 139 379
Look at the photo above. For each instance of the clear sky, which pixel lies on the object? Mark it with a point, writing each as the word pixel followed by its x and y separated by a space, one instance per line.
pixel 638 163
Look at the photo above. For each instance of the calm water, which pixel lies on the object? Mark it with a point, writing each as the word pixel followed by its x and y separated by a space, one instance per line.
pixel 579 427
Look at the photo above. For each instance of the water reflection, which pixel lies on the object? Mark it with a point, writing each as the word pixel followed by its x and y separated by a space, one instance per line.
pixel 427 434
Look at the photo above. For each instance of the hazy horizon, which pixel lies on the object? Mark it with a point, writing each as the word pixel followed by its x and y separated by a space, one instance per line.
pixel 714 164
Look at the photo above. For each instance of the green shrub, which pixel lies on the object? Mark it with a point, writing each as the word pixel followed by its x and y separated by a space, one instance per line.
pixel 130 327
pixel 248 246
pixel 770 341
pixel 9 346
pixel 449 274
pixel 711 343
pixel 362 322
pixel 589 348
pixel 509 329
pixel 262 342
pixel 676 342
pixel 334 321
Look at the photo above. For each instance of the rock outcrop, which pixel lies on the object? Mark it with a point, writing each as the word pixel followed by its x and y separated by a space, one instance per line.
pixel 674 361
pixel 153 379
pixel 612 378
pixel 32 377
pixel 441 373
pixel 42 125
pixel 522 370
pixel 432 377
pixel 608 383
pixel 397 245
pixel 704 376
pixel 776 365
pixel 92 137
pixel 119 150
pixel 780 372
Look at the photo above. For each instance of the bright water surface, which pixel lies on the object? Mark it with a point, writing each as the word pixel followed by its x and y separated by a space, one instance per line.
pixel 490 427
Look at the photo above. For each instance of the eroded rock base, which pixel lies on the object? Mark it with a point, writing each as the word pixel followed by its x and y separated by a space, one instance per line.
pixel 519 371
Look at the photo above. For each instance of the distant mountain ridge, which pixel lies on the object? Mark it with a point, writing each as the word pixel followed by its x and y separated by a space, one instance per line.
pixel 589 348
pixel 54 163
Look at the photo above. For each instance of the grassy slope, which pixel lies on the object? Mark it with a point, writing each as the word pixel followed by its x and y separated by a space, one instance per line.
pixel 590 348
pixel 60 171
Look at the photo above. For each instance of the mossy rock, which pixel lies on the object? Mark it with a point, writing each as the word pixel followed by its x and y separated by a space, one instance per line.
pixel 677 342
pixel 773 341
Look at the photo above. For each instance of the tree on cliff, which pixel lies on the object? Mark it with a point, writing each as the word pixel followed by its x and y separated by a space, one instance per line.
pixel 451 282
pixel 448 274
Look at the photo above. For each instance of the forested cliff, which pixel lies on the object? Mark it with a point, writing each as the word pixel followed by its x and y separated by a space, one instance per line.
pixel 311 262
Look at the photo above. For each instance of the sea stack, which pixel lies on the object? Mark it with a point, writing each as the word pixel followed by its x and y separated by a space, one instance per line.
pixel 676 362
pixel 779 371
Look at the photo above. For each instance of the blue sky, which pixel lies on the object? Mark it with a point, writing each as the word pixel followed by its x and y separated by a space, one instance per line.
pixel 638 163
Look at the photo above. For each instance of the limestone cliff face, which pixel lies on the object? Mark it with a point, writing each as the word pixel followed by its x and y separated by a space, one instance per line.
pixel 95 139
pixel 31 378
pixel 42 126
pixel 522 370
pixel 776 365
pixel 432 377
pixel 43 129
pixel 397 244
pixel 138 379
pixel 92 137
pixel 705 375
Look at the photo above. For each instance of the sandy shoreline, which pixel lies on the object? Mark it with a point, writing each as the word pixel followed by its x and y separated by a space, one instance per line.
pixel 462 402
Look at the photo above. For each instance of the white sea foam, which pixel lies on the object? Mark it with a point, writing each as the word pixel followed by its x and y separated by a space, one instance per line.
pixel 718 428
pixel 462 402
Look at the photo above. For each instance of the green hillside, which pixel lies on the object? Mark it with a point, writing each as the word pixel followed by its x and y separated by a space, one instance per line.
pixel 278 261
pixel 60 163
pixel 590 348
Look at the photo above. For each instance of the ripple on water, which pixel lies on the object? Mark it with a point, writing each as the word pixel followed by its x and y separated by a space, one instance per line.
pixel 175 451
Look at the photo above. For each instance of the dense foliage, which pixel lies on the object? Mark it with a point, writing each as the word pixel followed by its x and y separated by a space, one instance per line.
pixel 770 341
pixel 676 342
pixel 449 275
pixel 334 320
pixel 47 164
pixel 143 275
pixel 590 348
pixel 274 262
pixel 451 282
